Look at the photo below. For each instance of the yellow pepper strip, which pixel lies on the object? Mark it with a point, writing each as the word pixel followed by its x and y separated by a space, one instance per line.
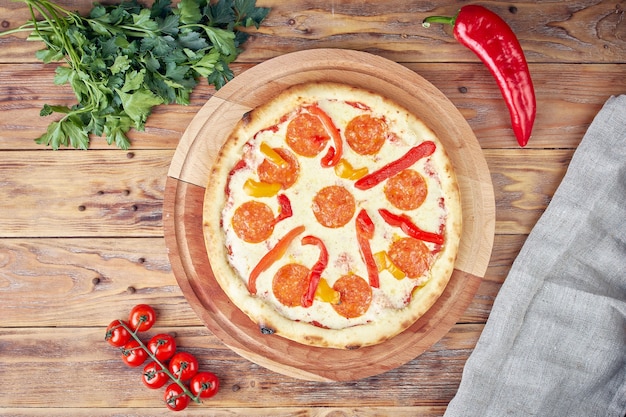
pixel 384 262
pixel 381 260
pixel 261 189
pixel 326 294
pixel 345 170
pixel 395 271
pixel 273 156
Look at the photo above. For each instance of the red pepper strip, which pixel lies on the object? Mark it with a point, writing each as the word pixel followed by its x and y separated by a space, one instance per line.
pixel 316 272
pixel 327 159
pixel 413 155
pixel 334 154
pixel 404 222
pixel 364 232
pixel 494 42
pixel 285 208
pixel 272 256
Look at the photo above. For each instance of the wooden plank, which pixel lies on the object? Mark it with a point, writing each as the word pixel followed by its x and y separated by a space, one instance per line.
pixel 524 182
pixel 99 193
pixel 99 379
pixel 48 282
pixel 505 250
pixel 548 32
pixel 566 105
pixel 117 193
pixel 416 411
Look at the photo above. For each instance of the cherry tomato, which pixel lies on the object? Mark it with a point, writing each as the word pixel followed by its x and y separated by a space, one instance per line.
pixel 141 318
pixel 163 346
pixel 204 384
pixel 132 354
pixel 175 398
pixel 183 366
pixel 153 376
pixel 116 335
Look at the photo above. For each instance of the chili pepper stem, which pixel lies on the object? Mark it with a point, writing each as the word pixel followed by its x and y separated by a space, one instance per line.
pixel 186 390
pixel 446 20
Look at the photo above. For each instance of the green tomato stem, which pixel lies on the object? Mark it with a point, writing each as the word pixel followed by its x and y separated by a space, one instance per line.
pixel 164 368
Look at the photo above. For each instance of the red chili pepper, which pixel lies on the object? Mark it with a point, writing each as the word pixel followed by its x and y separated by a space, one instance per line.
pixel 493 41
pixel 365 232
pixel 413 155
pixel 404 222
pixel 333 155
pixel 316 272
pixel 272 256
pixel 285 208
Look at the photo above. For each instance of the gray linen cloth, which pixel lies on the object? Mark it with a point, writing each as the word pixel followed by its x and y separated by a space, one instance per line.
pixel 555 342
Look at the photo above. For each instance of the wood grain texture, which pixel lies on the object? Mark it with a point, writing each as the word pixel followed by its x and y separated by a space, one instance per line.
pixel 416 411
pixel 65 273
pixel 100 380
pixel 49 282
pixel 566 104
pixel 105 193
pixel 548 32
pixel 67 194
pixel 52 279
pixel 575 32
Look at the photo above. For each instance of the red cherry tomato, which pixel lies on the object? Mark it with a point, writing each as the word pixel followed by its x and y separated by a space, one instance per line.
pixel 163 346
pixel 117 335
pixel 133 354
pixel 204 385
pixel 141 318
pixel 183 366
pixel 175 398
pixel 153 376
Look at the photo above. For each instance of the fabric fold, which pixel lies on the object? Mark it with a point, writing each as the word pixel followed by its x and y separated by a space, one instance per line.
pixel 555 342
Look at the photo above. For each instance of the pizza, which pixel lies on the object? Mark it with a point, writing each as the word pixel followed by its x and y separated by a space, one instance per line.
pixel 332 216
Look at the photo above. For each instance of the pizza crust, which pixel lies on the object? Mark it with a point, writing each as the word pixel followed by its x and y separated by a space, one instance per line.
pixel 263 312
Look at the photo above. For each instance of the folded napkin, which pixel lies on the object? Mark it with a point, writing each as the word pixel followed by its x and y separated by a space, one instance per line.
pixel 555 342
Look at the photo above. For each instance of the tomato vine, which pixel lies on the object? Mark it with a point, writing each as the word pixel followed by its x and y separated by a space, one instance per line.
pixel 187 383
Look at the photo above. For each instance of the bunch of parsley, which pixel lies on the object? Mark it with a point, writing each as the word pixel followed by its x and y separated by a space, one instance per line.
pixel 121 60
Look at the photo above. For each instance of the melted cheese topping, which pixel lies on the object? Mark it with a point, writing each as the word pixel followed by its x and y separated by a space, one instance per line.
pixel 341 243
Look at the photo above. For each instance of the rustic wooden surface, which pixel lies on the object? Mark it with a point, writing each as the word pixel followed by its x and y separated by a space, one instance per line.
pixel 81 232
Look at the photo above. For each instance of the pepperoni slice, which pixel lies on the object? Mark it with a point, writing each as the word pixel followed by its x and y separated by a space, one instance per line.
pixel 333 206
pixel 356 296
pixel 253 221
pixel 285 176
pixel 306 135
pixel 366 134
pixel 411 256
pixel 290 283
pixel 406 190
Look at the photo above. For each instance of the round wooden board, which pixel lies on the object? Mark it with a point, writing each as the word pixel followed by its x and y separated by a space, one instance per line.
pixel 188 176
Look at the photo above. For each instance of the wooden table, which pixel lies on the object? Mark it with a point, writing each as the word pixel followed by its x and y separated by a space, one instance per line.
pixel 82 238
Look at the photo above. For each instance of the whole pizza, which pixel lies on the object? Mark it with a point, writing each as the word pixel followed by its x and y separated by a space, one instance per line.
pixel 332 216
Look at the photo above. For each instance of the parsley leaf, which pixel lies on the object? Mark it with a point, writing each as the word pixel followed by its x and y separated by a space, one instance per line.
pixel 122 60
pixel 138 104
